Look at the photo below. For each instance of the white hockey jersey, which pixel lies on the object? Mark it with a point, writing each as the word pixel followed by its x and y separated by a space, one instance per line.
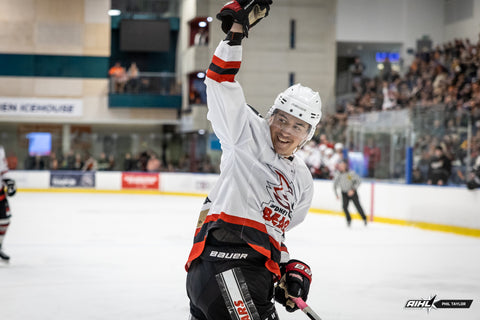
pixel 259 194
pixel 3 162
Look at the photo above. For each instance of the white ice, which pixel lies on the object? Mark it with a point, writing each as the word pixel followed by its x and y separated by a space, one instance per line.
pixel 121 256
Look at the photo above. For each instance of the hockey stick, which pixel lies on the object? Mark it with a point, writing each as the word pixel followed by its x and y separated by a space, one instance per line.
pixel 305 308
pixel 302 305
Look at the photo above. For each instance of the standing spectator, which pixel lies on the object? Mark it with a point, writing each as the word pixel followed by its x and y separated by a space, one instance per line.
pixel 387 70
pixel 153 164
pixel 128 162
pixel 201 37
pixel 143 160
pixel 90 164
pixel 36 163
pixel 440 168
pixel 68 160
pixel 372 153
pixel 78 164
pixel 111 162
pixel 133 74
pixel 102 162
pixel 356 70
pixel 348 181
pixel 338 154
pixel 53 161
pixel 329 162
pixel 119 77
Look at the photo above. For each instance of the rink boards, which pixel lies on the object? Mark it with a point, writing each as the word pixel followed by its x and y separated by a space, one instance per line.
pixel 447 209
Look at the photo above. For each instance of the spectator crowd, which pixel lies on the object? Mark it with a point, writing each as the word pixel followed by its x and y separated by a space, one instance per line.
pixel 146 161
pixel 445 79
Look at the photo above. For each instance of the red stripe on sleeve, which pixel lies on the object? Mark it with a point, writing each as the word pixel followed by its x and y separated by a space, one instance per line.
pixel 220 77
pixel 226 64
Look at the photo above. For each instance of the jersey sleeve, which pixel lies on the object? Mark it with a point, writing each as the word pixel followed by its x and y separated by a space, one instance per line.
pixel 227 109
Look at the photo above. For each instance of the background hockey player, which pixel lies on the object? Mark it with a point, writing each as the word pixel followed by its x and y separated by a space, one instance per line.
pixel 263 190
pixel 7 188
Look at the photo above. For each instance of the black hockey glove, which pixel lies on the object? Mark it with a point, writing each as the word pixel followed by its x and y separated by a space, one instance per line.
pixel 245 12
pixel 11 187
pixel 295 282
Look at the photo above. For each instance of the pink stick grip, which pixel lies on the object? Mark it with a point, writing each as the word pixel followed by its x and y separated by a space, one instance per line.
pixel 299 302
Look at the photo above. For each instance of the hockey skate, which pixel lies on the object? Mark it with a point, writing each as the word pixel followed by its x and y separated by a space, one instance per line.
pixel 3 255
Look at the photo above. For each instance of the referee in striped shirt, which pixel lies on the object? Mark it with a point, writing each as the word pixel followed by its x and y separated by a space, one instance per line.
pixel 348 181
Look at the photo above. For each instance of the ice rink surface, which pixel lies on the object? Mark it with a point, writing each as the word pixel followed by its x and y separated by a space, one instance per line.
pixel 121 256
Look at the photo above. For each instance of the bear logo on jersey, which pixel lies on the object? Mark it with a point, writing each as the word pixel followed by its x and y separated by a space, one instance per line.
pixel 277 212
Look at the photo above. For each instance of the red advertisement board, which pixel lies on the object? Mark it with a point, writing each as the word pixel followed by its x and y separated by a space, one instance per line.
pixel 140 180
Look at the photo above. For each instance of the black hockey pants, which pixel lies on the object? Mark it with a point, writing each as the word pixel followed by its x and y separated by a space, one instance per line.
pixel 230 282
pixel 346 199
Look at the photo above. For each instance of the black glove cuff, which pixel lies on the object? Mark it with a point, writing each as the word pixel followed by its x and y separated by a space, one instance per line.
pixel 234 38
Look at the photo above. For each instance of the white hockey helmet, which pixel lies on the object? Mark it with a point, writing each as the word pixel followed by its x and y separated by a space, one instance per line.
pixel 338 146
pixel 302 103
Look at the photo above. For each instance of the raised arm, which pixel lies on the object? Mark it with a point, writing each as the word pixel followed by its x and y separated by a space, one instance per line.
pixel 227 109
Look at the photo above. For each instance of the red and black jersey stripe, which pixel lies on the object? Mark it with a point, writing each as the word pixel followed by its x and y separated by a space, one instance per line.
pixel 254 233
pixel 222 71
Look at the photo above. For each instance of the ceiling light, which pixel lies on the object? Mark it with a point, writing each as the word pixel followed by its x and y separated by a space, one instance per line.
pixel 114 12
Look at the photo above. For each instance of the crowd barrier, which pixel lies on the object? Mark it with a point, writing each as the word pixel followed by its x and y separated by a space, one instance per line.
pixel 449 209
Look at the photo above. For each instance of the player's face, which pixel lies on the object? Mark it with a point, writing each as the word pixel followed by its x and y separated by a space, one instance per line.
pixel 287 132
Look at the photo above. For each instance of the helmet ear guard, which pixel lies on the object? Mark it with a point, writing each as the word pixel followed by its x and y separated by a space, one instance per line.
pixel 302 103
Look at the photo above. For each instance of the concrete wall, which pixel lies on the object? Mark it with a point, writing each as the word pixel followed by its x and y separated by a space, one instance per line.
pixel 65 27
pixel 448 206
pixel 387 21
pixel 268 59
pixel 465 28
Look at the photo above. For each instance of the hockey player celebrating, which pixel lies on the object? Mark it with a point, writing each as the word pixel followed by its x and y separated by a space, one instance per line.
pixel 263 190
pixel 9 185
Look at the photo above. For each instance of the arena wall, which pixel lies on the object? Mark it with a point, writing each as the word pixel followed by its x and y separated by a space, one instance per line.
pixel 448 209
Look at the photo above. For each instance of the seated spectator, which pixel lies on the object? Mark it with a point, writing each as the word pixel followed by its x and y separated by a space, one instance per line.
pixel 12 161
pixel 78 164
pixel 473 181
pixel 417 177
pixel 440 168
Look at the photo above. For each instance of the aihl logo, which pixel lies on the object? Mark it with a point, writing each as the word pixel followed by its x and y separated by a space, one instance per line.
pixel 440 304
pixel 420 303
